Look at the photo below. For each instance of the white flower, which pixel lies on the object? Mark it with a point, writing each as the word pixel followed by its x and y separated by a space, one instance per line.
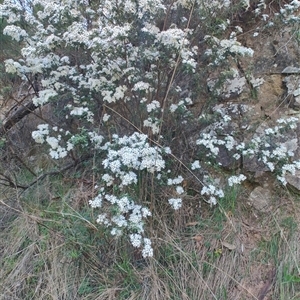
pixel 13 67
pixel 15 32
pixel 116 232
pixel 105 117
pixel 111 198
pixel 129 178
pixel 236 156
pixel 136 240
pixel 212 192
pixel 176 180
pixel 173 108
pixel 115 166
pixel 170 181
pixel 256 82
pixel 148 250
pixel 141 86
pixel 211 143
pixel 153 124
pixel 59 152
pixel 96 139
pixel 271 166
pixel 279 152
pixel 176 203
pixel 153 106
pixel 212 200
pixel 44 97
pixel 297 164
pixel 167 150
pixel 230 142
pixel 96 202
pixel 291 168
pixel 179 190
pixel 269 131
pixel 173 37
pixel 241 146
pixel 282 180
pixel 70 146
pixel 239 29
pixel 146 212
pixel 79 111
pixel 53 142
pixel 102 219
pixel 236 179
pixel 226 118
pixel 136 216
pixel 119 220
pixel 108 179
pixel 124 204
pixel 195 165
pixel 39 135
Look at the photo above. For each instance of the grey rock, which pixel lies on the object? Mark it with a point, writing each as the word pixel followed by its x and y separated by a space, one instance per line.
pixel 261 199
pixel 293 180
pixel 291 70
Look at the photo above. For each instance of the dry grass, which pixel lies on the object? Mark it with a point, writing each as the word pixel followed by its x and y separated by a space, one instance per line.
pixel 50 250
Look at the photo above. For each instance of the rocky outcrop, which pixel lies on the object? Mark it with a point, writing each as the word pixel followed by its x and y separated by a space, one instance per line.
pixel 257 93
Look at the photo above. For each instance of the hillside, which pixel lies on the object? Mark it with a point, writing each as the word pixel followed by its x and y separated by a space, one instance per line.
pixel 150 150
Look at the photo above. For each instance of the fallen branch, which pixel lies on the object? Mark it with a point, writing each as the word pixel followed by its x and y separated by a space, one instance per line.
pixel 16 116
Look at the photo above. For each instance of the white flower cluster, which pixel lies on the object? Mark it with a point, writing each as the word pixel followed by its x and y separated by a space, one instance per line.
pixel 80 111
pixel 290 122
pixel 96 139
pixel 153 123
pixel 13 67
pixel 137 241
pixel 15 32
pixel 211 143
pixel 154 105
pixel 141 86
pixel 195 165
pixel 290 11
pixel 176 203
pixel 173 37
pixel 126 157
pixel 277 159
pixel 134 153
pixel 128 217
pixel 221 49
pixel 40 134
pixel 56 151
pixel 232 180
pixel 111 62
pixel 44 97
pixel 176 180
pixel 213 5
pixel 213 193
pixel 109 96
pixel 188 57
pixel 181 105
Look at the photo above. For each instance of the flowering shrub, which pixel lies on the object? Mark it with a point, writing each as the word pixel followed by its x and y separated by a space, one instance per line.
pixel 119 70
pixel 271 148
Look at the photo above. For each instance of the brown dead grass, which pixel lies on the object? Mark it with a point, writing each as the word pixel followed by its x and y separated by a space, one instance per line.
pixel 246 256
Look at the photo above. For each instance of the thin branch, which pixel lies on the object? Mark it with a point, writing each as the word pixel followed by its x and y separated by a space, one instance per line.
pixel 55 172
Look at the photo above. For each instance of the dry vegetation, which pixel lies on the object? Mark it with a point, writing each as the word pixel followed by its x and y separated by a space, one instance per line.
pixel 50 248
